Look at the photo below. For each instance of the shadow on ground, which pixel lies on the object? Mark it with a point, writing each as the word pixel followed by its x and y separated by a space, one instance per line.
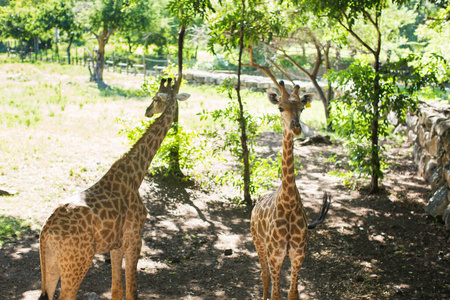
pixel 198 246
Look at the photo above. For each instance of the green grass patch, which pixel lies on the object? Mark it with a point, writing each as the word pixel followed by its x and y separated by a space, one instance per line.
pixel 11 227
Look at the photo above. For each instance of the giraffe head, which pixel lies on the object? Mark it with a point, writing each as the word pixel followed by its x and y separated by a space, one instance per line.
pixel 291 106
pixel 166 95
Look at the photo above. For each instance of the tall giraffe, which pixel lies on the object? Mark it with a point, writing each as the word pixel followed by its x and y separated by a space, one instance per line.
pixel 278 222
pixel 107 217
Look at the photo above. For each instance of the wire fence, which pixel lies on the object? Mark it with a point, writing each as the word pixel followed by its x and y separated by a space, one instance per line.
pixel 128 63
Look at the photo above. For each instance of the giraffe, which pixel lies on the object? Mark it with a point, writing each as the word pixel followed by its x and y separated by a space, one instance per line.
pixel 107 217
pixel 278 221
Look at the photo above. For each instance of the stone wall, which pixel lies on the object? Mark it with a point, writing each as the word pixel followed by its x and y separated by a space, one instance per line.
pixel 255 83
pixel 429 132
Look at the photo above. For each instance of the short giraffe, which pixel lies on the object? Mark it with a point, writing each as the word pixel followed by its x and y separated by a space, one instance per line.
pixel 109 216
pixel 278 222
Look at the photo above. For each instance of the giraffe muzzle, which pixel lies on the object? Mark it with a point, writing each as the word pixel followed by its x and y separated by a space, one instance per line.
pixel 296 128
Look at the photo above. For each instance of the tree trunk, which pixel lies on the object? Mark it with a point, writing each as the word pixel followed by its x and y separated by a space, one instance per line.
pixel 100 57
pixel 375 159
pixel 174 165
pixel 21 50
pixel 99 63
pixel 68 49
pixel 242 123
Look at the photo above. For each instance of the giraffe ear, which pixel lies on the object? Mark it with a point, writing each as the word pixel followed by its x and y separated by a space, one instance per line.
pixel 306 99
pixel 182 96
pixel 273 97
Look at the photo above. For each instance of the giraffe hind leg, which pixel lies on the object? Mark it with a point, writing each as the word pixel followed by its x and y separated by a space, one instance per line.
pixel 73 266
pixel 296 264
pixel 51 272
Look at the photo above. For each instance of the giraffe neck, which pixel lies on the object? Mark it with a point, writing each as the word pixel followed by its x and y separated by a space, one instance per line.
pixel 133 166
pixel 287 163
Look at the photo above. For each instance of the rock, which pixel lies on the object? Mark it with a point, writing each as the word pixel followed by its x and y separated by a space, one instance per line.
pixel 435 121
pixel 442 128
pixel 6 192
pixel 423 136
pixel 307 130
pixel 315 139
pixel 446 217
pixel 417 154
pixel 400 129
pixel 392 118
pixel 228 252
pixel 90 296
pixel 434 146
pixel 430 167
pixel 411 120
pixel 439 202
pixel 437 180
pixel 446 173
pixel 424 159
pixel 412 137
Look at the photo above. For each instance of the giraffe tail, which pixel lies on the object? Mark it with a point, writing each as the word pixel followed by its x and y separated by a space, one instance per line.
pixel 44 295
pixel 323 211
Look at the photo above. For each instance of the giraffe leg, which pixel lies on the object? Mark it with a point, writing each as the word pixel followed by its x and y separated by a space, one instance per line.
pixel 296 264
pixel 262 256
pixel 116 268
pixel 51 272
pixel 73 267
pixel 132 253
pixel 275 263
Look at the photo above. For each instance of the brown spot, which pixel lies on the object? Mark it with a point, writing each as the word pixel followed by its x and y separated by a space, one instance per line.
pixel 291 190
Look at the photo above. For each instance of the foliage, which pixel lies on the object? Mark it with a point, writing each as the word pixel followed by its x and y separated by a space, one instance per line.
pixel 190 153
pixel 186 11
pixel 18 23
pixel 262 170
pixel 261 24
pixel 353 113
pixel 192 150
pixel 12 228
pixel 110 16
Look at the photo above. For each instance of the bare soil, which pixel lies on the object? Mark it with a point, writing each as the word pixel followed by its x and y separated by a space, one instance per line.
pixel 379 246
pixel 197 245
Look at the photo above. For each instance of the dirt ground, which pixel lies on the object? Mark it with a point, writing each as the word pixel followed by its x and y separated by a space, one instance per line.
pixel 370 247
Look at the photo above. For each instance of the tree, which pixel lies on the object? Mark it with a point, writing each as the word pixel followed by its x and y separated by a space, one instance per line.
pixel 274 31
pixel 347 14
pixel 434 33
pixel 60 14
pixel 185 11
pixel 236 27
pixel 110 16
pixel 306 31
pixel 17 23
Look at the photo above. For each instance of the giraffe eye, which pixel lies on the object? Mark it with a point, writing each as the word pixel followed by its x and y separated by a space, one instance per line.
pixel 280 109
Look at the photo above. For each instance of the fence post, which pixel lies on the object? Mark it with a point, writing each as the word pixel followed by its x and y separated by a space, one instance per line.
pixel 143 61
pixel 114 61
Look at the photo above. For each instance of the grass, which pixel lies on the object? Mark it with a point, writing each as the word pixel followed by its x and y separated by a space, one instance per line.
pixel 12 228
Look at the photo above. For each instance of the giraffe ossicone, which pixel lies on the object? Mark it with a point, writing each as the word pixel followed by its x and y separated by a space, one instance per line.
pixel 107 217
pixel 278 223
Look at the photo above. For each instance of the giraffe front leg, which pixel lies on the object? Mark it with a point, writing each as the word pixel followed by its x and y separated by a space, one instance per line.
pixel 262 256
pixel 116 270
pixel 131 260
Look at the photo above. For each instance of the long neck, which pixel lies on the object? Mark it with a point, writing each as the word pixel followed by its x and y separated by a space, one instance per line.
pixel 133 166
pixel 287 163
